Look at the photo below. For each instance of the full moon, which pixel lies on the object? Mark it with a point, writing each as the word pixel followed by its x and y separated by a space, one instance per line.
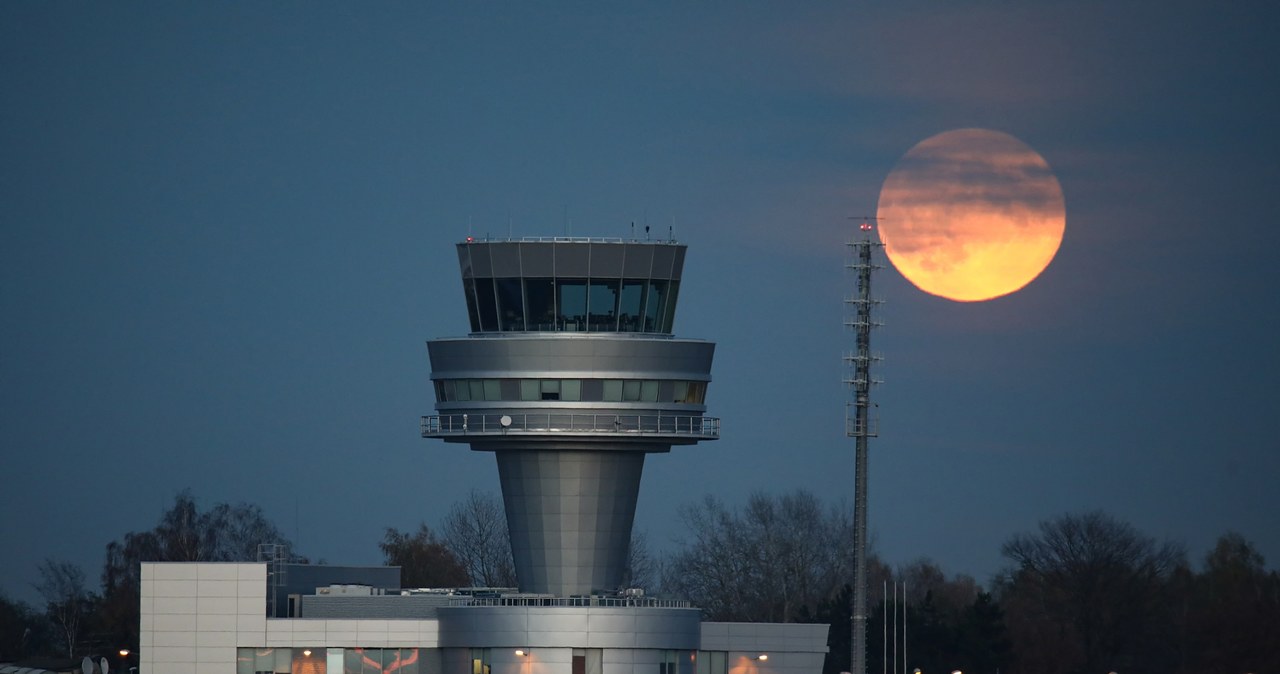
pixel 971 215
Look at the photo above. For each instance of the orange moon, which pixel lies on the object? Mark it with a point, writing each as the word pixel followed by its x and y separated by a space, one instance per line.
pixel 971 215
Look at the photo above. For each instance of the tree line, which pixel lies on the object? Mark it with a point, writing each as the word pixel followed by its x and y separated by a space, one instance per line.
pixel 1083 593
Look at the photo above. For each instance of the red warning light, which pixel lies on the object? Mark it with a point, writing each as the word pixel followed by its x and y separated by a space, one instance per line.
pixel 866 226
pixel 470 239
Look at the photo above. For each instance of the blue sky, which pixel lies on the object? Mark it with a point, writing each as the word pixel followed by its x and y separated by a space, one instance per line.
pixel 226 231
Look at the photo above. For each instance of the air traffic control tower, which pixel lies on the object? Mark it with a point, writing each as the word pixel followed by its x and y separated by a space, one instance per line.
pixel 570 376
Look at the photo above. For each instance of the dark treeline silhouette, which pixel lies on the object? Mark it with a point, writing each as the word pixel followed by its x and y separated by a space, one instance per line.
pixel 1083 594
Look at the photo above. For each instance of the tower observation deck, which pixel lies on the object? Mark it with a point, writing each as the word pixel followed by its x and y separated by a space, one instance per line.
pixel 570 376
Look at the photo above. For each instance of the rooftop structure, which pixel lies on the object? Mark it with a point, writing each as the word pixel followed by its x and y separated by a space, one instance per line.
pixel 570 376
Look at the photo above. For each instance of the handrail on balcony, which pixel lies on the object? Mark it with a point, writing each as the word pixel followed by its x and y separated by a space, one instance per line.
pixel 449 425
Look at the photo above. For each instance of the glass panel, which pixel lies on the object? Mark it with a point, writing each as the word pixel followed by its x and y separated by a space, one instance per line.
pixel 510 304
pixel 612 390
pixel 488 307
pixel 571 302
pixel 631 305
pixel 244 661
pixel 603 309
pixel 571 389
pixel 649 391
pixel 309 661
pixel 283 661
pixel 492 389
pixel 550 389
pixel 669 313
pixel 631 390
pixel 529 390
pixel 592 389
pixel 477 388
pixel 666 391
pixel 681 392
pixel 461 390
pixel 719 662
pixel 469 289
pixel 510 389
pixel 654 305
pixel 540 302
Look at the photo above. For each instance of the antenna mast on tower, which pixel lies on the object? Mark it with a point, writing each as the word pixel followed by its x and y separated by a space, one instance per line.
pixel 861 427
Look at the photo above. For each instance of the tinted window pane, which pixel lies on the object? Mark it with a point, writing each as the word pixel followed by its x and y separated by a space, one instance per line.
pixel 540 300
pixel 469 288
pixel 603 313
pixel 477 388
pixel 492 389
pixel 510 304
pixel 550 389
pixel 592 389
pixel 485 302
pixel 462 390
pixel 612 390
pixel 681 392
pixel 669 312
pixel 649 391
pixel 631 390
pixel 654 305
pixel 571 301
pixel 529 390
pixel 510 389
pixel 631 305
pixel 571 389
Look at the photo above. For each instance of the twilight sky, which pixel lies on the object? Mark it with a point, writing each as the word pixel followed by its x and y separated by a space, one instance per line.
pixel 227 229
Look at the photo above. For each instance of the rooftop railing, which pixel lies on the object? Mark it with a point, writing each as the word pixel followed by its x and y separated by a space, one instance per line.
pixel 568 423
pixel 565 239
pixel 618 602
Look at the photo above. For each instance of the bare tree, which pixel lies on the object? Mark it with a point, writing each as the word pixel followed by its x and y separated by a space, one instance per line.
pixel 68 603
pixel 475 531
pixel 773 560
pixel 643 569
pixel 224 533
pixel 423 559
pixel 1086 594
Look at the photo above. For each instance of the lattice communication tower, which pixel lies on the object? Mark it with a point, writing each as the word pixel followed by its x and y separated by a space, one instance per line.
pixel 861 426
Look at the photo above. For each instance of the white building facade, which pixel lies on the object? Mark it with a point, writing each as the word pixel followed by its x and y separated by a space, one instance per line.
pixel 211 618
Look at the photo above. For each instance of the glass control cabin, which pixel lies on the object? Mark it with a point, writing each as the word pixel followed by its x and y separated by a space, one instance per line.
pixel 571 285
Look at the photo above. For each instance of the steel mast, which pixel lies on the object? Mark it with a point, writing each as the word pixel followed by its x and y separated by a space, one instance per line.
pixel 861 427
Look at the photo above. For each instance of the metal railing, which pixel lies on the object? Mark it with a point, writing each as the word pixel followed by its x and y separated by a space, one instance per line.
pixel 647 425
pixel 646 602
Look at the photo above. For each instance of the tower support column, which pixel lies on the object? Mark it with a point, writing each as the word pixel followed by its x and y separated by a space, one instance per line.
pixel 569 514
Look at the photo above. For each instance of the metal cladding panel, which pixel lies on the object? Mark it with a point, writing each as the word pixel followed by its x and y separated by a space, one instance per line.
pixel 571 356
pixel 606 260
pixel 554 493
pixel 464 260
pixel 677 267
pixel 664 258
pixel 506 259
pixel 538 260
pixel 573 260
pixel 481 264
pixel 534 627
pixel 639 261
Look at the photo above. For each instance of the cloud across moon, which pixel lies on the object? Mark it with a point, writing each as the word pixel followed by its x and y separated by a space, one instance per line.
pixel 971 215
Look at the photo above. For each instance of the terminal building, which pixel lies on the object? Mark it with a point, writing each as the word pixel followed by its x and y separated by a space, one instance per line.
pixel 571 376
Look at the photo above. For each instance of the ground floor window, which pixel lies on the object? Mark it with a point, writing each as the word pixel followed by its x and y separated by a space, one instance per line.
pixel 712 662
pixel 332 661
pixel 281 661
